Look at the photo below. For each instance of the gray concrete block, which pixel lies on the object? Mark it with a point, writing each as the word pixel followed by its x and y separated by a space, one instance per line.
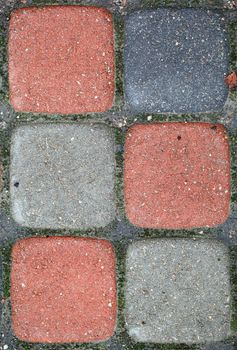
pixel 175 61
pixel 177 291
pixel 62 176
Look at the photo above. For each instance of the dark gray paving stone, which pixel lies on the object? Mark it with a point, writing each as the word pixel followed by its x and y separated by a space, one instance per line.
pixel 177 291
pixel 62 176
pixel 175 61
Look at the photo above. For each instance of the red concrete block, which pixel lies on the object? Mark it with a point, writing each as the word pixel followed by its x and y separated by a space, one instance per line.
pixel 177 175
pixel 63 290
pixel 61 59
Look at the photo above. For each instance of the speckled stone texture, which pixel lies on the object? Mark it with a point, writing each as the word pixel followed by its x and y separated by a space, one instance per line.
pixel 62 175
pixel 177 175
pixel 177 291
pixel 175 61
pixel 61 59
pixel 63 290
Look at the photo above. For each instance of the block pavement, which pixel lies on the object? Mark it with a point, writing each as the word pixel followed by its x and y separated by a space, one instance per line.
pixel 118 175
pixel 72 170
pixel 70 287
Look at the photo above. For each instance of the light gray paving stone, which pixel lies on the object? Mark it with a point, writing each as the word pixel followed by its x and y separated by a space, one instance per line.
pixel 175 61
pixel 177 291
pixel 62 176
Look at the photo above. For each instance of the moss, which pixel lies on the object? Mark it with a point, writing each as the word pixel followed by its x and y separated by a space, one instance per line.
pixel 232 26
pixel 119 139
pixel 5 252
pixel 233 147
pixel 183 3
pixel 32 346
pixel 119 27
pixel 233 271
pixel 120 249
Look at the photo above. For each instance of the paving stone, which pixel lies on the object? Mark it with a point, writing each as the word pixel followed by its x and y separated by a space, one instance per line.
pixel 177 291
pixel 61 59
pixel 62 175
pixel 63 290
pixel 177 175
pixel 175 61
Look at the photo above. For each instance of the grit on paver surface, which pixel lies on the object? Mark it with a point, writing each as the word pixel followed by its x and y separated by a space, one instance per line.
pixel 62 176
pixel 61 59
pixel 63 289
pixel 177 291
pixel 177 175
pixel 175 61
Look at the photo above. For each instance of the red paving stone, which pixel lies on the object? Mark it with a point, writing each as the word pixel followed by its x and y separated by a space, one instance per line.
pixel 177 175
pixel 63 289
pixel 61 59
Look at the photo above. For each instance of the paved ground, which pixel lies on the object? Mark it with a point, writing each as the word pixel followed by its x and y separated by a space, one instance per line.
pixel 70 183
pixel 177 291
pixel 160 50
pixel 120 231
pixel 69 284
pixel 168 166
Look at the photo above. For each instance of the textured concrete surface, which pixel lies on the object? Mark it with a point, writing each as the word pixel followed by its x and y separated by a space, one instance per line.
pixel 177 291
pixel 175 61
pixel 61 59
pixel 62 176
pixel 177 175
pixel 63 289
pixel 121 232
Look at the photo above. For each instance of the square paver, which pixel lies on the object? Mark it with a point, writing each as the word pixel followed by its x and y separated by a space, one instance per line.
pixel 177 291
pixel 61 59
pixel 175 61
pixel 63 290
pixel 177 175
pixel 62 175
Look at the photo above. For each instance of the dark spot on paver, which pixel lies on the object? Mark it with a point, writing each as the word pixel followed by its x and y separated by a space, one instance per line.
pixel 61 59
pixel 145 292
pixel 16 184
pixel 169 57
pixel 179 137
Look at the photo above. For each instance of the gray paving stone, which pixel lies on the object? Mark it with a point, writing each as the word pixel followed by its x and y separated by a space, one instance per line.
pixel 62 176
pixel 175 61
pixel 177 291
